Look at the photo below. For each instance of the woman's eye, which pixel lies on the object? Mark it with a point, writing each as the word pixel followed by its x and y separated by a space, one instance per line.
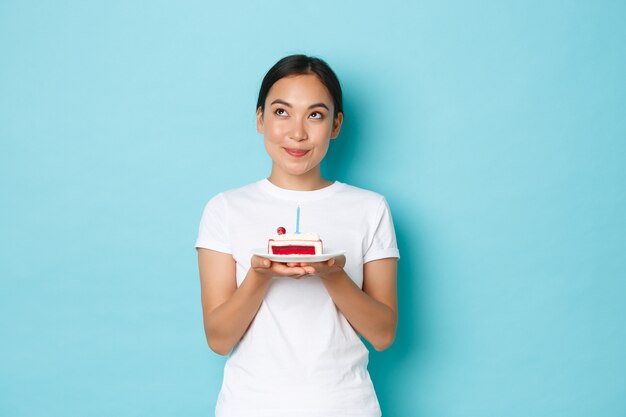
pixel 280 112
pixel 316 115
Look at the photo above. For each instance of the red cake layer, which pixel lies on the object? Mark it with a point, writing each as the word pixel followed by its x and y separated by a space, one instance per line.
pixel 293 250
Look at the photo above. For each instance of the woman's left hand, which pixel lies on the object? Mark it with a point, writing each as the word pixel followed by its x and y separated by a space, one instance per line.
pixel 323 269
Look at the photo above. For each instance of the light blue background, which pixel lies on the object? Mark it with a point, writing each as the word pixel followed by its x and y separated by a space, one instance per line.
pixel 497 131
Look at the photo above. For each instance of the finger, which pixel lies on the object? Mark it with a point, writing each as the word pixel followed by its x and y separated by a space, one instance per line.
pixel 287 271
pixel 301 272
pixel 294 273
pixel 309 270
pixel 259 262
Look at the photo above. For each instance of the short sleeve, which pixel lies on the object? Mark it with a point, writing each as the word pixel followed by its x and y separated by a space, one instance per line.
pixel 383 239
pixel 213 231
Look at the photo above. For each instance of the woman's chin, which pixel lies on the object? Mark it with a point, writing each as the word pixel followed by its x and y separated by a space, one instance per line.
pixel 298 170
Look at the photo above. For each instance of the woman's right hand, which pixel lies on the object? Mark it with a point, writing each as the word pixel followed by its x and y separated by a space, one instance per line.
pixel 268 268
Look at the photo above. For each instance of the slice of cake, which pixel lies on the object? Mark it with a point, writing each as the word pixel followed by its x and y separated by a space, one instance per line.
pixel 294 243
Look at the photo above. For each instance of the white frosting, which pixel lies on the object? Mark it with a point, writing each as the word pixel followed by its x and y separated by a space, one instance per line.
pixel 297 236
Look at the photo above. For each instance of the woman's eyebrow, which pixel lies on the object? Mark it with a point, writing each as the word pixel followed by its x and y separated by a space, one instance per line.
pixel 319 105
pixel 284 103
pixel 279 101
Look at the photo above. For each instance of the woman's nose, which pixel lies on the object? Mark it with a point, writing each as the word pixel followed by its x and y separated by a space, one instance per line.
pixel 298 131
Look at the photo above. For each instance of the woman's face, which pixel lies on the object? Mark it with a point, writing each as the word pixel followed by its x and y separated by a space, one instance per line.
pixel 298 125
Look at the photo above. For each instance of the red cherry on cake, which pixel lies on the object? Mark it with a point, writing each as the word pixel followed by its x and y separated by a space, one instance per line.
pixel 281 230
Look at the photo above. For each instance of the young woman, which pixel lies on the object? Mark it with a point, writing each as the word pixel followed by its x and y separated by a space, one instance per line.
pixel 293 329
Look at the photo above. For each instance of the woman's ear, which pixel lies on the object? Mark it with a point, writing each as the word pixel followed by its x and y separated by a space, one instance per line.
pixel 259 120
pixel 336 125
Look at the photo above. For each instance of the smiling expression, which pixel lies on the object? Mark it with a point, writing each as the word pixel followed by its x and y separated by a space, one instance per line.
pixel 297 125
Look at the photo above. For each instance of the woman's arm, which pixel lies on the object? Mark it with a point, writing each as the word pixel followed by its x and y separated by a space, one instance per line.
pixel 228 310
pixel 373 311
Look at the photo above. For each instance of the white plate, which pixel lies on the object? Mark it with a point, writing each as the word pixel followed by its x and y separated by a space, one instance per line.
pixel 328 253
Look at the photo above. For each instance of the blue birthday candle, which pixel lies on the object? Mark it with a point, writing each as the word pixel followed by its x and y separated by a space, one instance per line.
pixel 298 219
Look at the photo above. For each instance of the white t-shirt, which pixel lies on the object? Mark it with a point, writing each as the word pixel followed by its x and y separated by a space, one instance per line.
pixel 300 357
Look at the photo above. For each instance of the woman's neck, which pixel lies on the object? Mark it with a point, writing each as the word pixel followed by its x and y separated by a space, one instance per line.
pixel 300 182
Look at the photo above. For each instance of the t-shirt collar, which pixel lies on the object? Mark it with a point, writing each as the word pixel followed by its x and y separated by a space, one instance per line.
pixel 266 186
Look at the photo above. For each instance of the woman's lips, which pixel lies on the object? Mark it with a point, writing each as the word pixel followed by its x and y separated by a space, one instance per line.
pixel 296 153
